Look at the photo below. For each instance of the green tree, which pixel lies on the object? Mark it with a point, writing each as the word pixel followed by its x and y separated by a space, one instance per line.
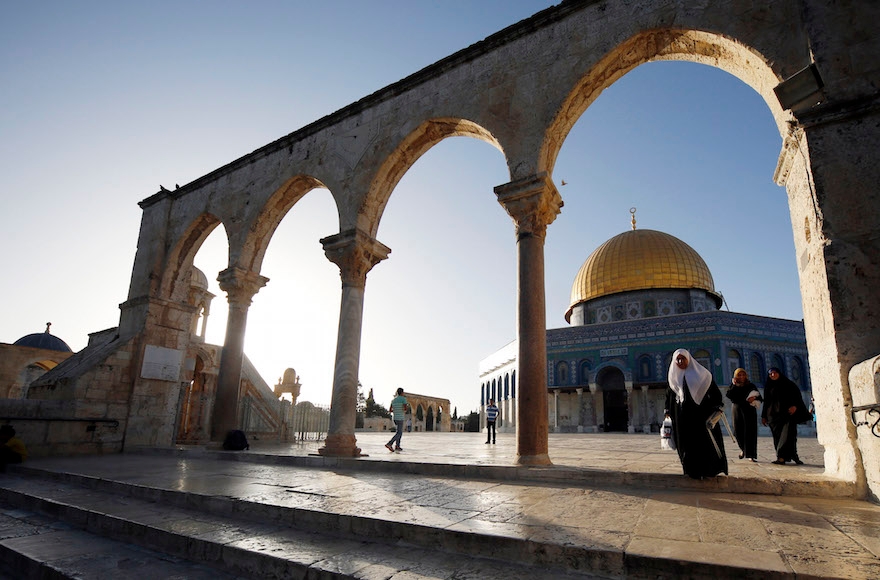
pixel 373 409
pixel 473 423
pixel 455 413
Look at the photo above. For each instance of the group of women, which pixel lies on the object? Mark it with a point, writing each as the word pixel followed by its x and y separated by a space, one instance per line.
pixel 695 405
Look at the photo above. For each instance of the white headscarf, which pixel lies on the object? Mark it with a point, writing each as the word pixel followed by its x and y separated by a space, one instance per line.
pixel 698 378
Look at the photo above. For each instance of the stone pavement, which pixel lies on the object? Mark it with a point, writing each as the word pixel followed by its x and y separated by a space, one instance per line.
pixel 611 505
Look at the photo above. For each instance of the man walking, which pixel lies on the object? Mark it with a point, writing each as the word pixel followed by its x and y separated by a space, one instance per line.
pixel 491 417
pixel 398 410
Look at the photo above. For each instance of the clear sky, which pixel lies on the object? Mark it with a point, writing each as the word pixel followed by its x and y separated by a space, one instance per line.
pixel 101 102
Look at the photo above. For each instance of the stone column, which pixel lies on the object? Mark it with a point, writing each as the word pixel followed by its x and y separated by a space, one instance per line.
pixel 240 286
pixel 828 165
pixel 355 253
pixel 646 420
pixel 555 411
pixel 594 388
pixel 580 407
pixel 533 203
pixel 630 428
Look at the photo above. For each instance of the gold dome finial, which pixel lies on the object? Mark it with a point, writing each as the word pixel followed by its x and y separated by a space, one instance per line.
pixel 632 212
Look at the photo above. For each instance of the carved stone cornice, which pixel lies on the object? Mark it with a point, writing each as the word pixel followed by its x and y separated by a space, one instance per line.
pixel 355 253
pixel 240 285
pixel 532 202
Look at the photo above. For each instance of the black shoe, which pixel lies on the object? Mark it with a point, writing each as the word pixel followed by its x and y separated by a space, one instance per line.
pixel 797 461
pixel 741 455
pixel 487 442
pixel 778 462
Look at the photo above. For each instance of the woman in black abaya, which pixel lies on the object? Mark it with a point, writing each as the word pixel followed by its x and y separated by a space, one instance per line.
pixel 784 408
pixel 691 400
pixel 745 398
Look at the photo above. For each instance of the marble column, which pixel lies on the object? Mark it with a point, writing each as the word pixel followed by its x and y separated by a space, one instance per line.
pixel 533 203
pixel 594 388
pixel 555 411
pixel 646 420
pixel 630 428
pixel 355 253
pixel 240 286
pixel 580 408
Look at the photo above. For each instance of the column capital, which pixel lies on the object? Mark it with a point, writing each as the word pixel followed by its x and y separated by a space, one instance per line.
pixel 533 202
pixel 355 252
pixel 240 285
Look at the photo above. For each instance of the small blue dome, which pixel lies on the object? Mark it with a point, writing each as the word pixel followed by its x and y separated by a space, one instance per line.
pixel 43 340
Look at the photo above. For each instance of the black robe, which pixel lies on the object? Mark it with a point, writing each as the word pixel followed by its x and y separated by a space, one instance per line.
pixel 745 418
pixel 692 440
pixel 779 396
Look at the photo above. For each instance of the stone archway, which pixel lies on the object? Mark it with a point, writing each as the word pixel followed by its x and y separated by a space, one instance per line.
pixel 522 90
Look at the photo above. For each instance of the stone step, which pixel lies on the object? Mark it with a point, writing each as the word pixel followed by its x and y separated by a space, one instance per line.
pixel 130 526
pixel 33 545
pixel 557 474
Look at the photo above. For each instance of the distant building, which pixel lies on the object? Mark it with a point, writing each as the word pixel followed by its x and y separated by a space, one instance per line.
pixel 637 298
pixel 27 359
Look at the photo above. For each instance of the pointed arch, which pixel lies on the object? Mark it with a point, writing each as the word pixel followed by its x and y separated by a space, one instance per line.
pixel 410 149
pixel 177 273
pixel 658 45
pixel 256 243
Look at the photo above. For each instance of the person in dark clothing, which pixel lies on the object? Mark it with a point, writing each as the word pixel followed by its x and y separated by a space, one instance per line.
pixel 745 400
pixel 691 401
pixel 783 409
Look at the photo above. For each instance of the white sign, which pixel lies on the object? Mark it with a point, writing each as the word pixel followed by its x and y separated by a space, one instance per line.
pixel 161 363
pixel 613 352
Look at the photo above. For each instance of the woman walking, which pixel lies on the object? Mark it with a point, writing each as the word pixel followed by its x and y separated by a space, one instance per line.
pixel 784 408
pixel 691 401
pixel 745 400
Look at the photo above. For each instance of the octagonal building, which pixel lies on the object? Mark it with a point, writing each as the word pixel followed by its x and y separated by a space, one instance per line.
pixel 636 298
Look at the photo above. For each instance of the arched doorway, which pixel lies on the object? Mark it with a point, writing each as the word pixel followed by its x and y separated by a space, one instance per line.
pixel 429 419
pixel 614 399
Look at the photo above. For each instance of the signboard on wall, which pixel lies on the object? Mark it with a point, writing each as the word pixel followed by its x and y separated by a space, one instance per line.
pixel 162 364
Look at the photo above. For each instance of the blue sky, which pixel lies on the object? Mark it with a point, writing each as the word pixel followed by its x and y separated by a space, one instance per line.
pixel 101 102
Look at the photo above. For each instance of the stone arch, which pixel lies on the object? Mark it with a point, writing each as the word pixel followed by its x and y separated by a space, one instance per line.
pixel 410 149
pixel 177 273
pixel 429 419
pixel 28 374
pixel 657 45
pixel 276 207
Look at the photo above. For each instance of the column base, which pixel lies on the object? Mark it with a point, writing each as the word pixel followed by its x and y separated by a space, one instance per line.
pixel 338 445
pixel 542 459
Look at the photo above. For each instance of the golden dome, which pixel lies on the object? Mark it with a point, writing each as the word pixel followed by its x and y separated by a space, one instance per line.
pixel 639 260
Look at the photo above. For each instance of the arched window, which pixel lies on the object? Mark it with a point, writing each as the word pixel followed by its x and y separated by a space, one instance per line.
pixel 483 388
pixel 506 387
pixel 756 368
pixel 513 385
pixel 704 357
pixel 734 361
pixel 562 373
pixel 585 367
pixel 645 367
pixel 798 374
pixel 494 386
pixel 779 362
